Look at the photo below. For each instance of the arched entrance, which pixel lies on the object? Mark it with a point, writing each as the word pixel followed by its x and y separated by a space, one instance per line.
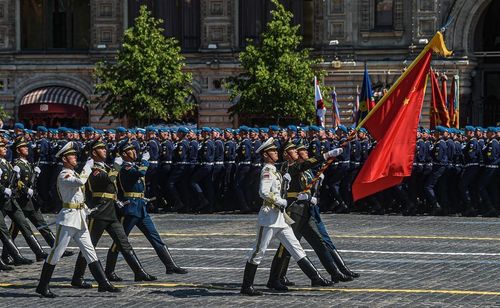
pixel 53 107
pixel 487 51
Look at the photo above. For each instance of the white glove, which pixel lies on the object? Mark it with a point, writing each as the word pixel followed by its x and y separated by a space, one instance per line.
pixel 37 170
pixel 287 177
pixel 7 192
pixel 88 166
pixel 333 153
pixel 302 197
pixel 314 200
pixel 17 170
pixel 117 164
pixel 145 156
pixel 30 192
pixel 1 172
pixel 281 203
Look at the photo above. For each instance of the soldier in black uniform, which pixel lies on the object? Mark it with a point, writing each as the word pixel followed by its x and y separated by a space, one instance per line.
pixel 175 188
pixel 304 226
pixel 165 162
pixel 9 185
pixel 229 168
pixel 101 197
pixel 218 172
pixel 26 190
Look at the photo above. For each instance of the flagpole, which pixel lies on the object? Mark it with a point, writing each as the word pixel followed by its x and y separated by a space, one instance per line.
pixel 426 49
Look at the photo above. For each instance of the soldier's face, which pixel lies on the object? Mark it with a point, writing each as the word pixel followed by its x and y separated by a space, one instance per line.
pixel 303 154
pixel 3 151
pixel 273 155
pixel 23 151
pixel 131 154
pixel 292 154
pixel 100 153
pixel 70 160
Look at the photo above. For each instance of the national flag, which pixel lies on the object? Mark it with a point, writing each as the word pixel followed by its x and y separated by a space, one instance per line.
pixel 453 100
pixel 366 100
pixel 335 108
pixel 393 123
pixel 318 104
pixel 439 113
pixel 355 107
pixel 444 90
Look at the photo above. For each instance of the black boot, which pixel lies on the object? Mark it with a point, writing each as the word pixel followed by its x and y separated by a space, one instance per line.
pixel 341 264
pixel 43 285
pixel 5 267
pixel 167 259
pixel 274 281
pixel 136 266
pixel 14 252
pixel 36 248
pixel 77 280
pixel 436 210
pixel 110 266
pixel 98 273
pixel 316 279
pixel 248 277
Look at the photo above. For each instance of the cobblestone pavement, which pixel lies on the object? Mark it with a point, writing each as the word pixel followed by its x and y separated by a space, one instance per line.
pixel 403 261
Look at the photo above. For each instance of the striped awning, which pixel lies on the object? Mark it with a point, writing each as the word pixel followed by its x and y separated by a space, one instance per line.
pixel 55 95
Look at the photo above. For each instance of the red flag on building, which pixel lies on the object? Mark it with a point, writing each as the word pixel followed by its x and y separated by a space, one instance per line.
pixel 439 112
pixel 393 123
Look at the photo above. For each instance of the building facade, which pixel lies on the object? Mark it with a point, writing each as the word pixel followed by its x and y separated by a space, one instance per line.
pixel 48 49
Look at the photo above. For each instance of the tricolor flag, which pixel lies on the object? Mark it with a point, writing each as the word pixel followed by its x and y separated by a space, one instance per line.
pixel 335 108
pixel 367 101
pixel 318 104
pixel 393 124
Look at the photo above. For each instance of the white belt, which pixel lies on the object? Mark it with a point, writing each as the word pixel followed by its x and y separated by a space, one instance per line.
pixel 219 163
pixel 153 161
pixel 166 161
pixel 471 164
pixel 183 163
pixel 491 166
pixel 244 163
pixel 206 164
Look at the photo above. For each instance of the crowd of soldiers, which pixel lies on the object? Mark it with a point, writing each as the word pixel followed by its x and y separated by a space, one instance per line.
pixel 103 175
pixel 212 170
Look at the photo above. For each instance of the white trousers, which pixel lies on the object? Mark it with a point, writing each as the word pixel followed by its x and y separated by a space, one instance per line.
pixel 82 238
pixel 284 235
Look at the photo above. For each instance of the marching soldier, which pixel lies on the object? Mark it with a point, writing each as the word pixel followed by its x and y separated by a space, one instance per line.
pixel 244 151
pixel 71 223
pixel 9 180
pixel 131 184
pixel 273 222
pixel 102 196
pixel 178 192
pixel 26 190
pixel 301 204
pixel 201 179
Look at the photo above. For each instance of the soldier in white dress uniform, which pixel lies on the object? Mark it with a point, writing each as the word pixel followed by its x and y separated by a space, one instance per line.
pixel 273 222
pixel 71 223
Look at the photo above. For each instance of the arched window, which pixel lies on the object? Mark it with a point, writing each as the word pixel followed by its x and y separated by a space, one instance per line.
pixel 181 19
pixel 384 14
pixel 55 24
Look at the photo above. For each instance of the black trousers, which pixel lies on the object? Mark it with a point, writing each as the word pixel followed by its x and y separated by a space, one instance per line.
pixel 18 218
pixel 96 229
pixel 37 220
pixel 304 226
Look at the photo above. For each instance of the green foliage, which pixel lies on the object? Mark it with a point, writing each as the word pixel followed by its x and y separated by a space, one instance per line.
pixel 145 82
pixel 278 77
pixel 3 114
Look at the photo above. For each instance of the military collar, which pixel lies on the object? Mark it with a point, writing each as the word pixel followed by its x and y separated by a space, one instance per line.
pixel 100 164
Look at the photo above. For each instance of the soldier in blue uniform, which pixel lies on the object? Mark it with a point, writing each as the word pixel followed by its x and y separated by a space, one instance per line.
pixel 201 179
pixel 229 169
pixel 152 183
pixel 131 189
pixel 43 160
pixel 254 173
pixel 472 154
pixel 440 163
pixel 176 190
pixel 488 186
pixel 218 171
pixel 244 151
pixel 165 162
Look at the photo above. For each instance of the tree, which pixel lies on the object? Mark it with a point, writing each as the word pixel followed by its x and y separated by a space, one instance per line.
pixel 278 77
pixel 145 82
